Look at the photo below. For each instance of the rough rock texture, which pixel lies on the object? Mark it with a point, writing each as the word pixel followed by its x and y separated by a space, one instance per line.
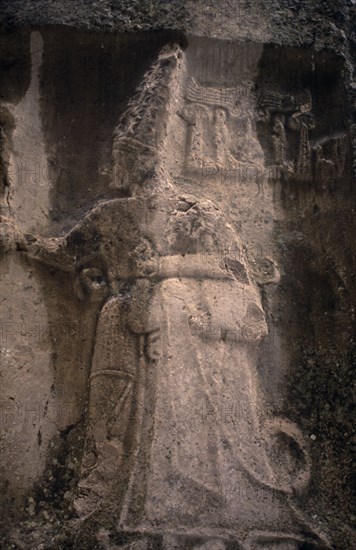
pixel 178 274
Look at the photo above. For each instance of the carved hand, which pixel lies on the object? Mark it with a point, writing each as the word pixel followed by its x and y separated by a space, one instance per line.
pixel 147 268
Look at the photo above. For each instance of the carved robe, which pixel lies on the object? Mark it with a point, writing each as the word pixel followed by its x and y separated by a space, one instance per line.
pixel 175 437
pixel 191 453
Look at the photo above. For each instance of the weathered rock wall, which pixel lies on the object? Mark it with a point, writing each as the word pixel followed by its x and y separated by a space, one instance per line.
pixel 257 121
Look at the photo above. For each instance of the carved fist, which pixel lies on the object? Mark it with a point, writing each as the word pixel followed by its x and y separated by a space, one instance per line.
pixel 147 268
pixel 144 258
pixel 90 281
pixel 152 345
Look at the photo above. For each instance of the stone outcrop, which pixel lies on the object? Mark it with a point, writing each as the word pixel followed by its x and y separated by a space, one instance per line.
pixel 178 276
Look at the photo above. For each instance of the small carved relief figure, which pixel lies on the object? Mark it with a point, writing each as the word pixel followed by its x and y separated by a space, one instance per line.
pixel 198 147
pixel 279 138
pixel 293 112
pixel 303 121
pixel 221 138
pixel 330 156
pixel 339 153
pixel 227 138
pixel 6 127
pixel 252 151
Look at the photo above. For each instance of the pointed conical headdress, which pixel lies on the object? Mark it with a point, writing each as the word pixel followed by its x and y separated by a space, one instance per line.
pixel 142 127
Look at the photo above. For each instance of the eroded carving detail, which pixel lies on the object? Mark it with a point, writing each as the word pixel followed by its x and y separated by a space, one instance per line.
pixel 157 445
pixel 6 126
pixel 220 132
pixel 330 157
pixel 142 125
pixel 283 113
pixel 177 338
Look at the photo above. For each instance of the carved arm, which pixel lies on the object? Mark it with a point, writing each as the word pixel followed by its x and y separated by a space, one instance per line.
pixel 189 266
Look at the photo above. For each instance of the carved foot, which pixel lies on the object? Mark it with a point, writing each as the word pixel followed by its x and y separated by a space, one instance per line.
pixel 96 486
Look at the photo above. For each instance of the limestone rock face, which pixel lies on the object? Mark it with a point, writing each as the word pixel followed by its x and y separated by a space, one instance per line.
pixel 178 275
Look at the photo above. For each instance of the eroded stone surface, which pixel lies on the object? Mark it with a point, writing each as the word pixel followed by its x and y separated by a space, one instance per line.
pixel 178 293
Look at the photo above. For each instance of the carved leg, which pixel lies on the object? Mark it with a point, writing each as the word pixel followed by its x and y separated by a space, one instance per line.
pixel 112 384
pixel 104 452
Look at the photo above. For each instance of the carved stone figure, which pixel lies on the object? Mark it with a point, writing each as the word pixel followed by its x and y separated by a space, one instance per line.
pixel 330 156
pixel 293 112
pixel 251 149
pixel 279 138
pixel 198 149
pixel 6 127
pixel 220 133
pixel 178 443
pixel 303 121
pixel 176 433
